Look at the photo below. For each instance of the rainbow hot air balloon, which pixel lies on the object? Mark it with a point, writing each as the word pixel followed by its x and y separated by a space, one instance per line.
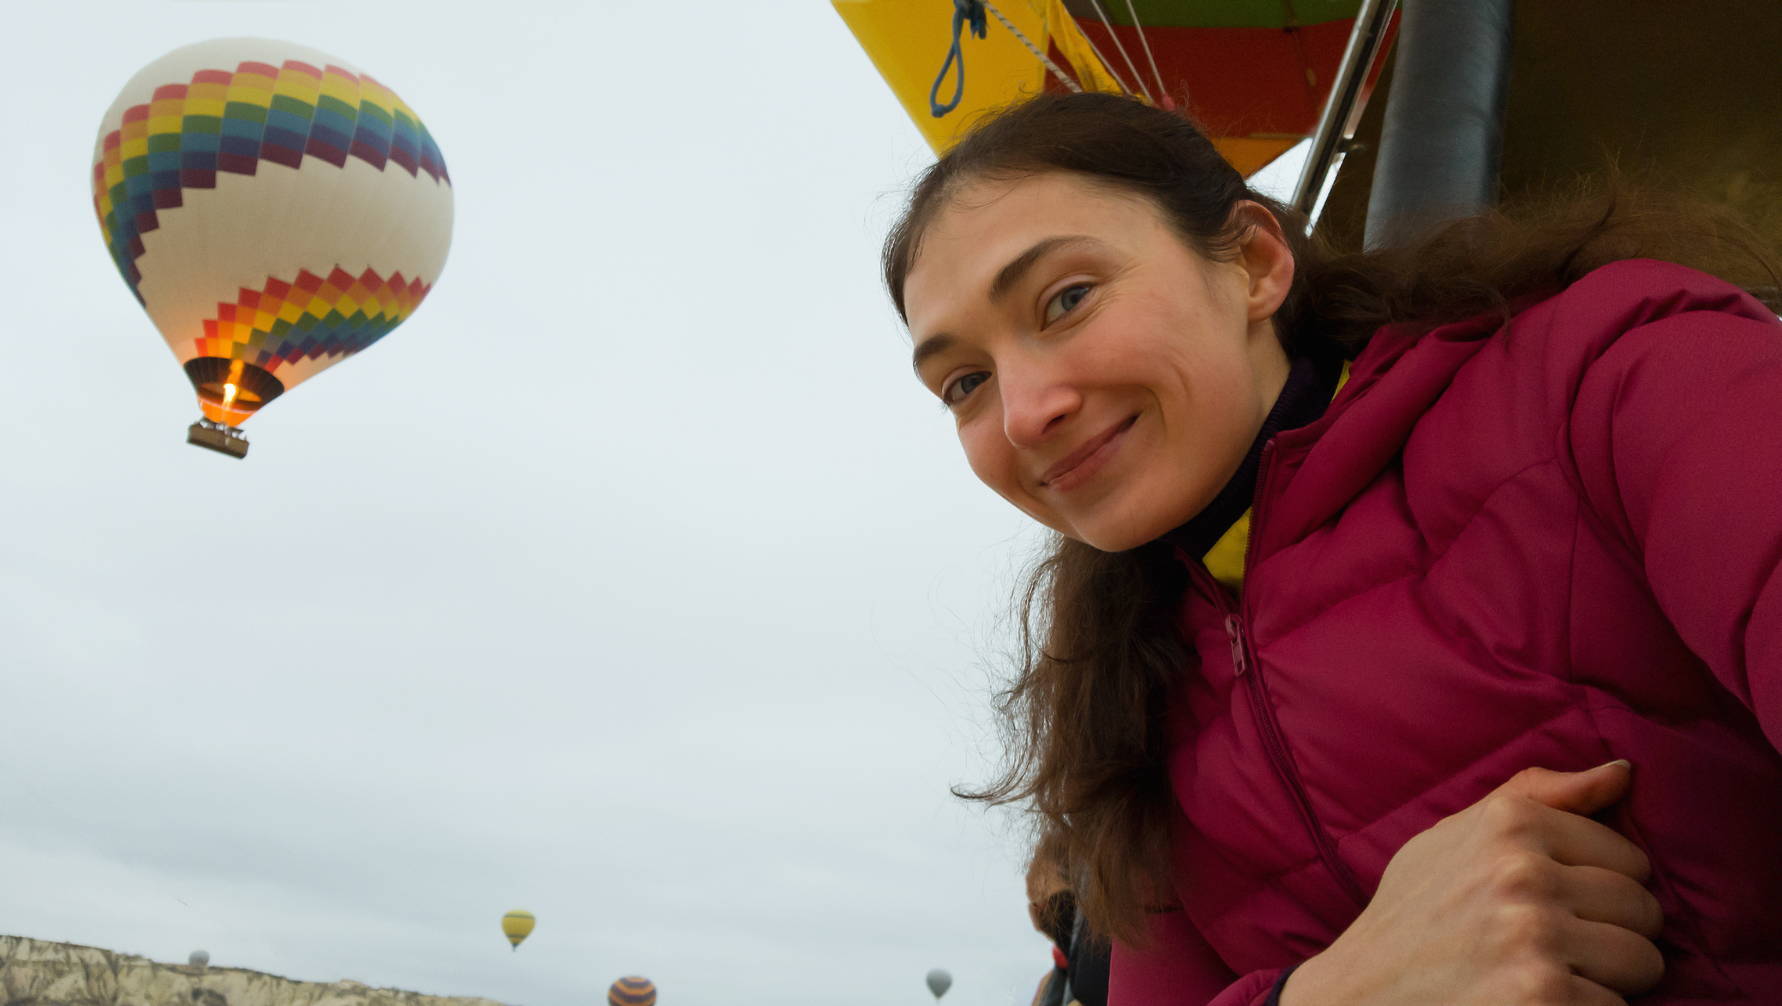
pixel 273 209
pixel 517 925
pixel 632 991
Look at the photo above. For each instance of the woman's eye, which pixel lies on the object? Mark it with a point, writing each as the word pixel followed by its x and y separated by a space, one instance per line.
pixel 955 392
pixel 1066 301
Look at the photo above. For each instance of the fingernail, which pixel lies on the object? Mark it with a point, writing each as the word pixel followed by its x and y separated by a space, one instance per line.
pixel 1618 761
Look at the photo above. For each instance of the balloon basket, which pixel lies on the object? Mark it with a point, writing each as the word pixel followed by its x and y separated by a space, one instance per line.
pixel 217 437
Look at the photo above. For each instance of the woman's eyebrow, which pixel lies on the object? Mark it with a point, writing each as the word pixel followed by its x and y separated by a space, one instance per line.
pixel 1012 273
pixel 927 348
pixel 1006 279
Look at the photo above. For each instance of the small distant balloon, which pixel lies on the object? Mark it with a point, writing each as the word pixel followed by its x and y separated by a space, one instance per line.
pixel 939 982
pixel 199 959
pixel 632 990
pixel 517 925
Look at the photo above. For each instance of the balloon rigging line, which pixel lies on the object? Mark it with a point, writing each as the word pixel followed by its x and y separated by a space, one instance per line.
pixel 1130 65
pixel 1162 88
pixel 1037 54
pixel 1105 65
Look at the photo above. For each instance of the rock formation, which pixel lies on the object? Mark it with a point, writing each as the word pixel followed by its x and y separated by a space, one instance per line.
pixel 40 973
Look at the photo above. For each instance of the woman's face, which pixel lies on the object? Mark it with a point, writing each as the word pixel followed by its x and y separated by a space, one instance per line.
pixel 1105 377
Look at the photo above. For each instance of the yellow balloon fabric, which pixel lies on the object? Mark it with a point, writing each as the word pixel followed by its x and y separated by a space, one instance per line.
pixel 906 39
pixel 273 209
pixel 517 925
pixel 907 42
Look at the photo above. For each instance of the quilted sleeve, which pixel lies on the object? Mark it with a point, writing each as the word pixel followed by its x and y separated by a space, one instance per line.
pixel 1178 968
pixel 1676 432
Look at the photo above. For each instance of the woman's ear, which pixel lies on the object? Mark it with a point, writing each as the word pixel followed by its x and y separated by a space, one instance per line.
pixel 1266 258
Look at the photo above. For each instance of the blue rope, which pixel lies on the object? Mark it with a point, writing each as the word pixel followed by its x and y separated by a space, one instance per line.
pixel 964 11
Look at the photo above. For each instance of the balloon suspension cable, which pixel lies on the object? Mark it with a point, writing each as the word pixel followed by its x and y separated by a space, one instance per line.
pixel 219 437
pixel 1105 65
pixel 1107 23
pixel 1020 36
pixel 1162 89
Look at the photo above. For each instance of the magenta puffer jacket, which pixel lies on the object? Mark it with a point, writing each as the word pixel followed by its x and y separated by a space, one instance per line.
pixel 1551 543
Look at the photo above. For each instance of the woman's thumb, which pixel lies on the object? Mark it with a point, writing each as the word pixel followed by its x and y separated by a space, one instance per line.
pixel 1577 792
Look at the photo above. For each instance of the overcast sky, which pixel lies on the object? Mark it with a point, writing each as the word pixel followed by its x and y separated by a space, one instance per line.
pixel 634 581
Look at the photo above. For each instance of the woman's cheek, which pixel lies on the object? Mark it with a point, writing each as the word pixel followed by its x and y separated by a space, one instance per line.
pixel 991 458
pixel 978 456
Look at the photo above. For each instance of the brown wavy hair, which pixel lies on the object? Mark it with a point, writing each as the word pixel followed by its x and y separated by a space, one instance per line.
pixel 1083 719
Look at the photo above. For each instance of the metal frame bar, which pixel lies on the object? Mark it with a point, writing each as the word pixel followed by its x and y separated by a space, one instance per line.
pixel 1342 110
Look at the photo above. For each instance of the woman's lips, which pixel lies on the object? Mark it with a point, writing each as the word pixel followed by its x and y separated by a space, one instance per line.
pixel 1082 463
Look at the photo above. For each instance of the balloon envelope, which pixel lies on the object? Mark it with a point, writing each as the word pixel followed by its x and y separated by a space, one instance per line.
pixel 198 959
pixel 273 209
pixel 1253 73
pixel 939 981
pixel 517 925
pixel 632 990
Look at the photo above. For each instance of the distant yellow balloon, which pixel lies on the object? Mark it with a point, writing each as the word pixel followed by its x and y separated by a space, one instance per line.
pixel 517 925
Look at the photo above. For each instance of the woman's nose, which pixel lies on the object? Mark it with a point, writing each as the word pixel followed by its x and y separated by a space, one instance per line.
pixel 1034 404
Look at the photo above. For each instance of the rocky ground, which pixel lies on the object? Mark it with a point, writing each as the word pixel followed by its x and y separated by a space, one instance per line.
pixel 40 973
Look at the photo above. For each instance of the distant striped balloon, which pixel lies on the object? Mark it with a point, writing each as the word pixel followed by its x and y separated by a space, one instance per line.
pixel 273 209
pixel 632 991
pixel 517 925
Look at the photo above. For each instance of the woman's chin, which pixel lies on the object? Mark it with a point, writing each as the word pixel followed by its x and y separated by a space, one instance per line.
pixel 1120 542
pixel 1118 535
pixel 1123 529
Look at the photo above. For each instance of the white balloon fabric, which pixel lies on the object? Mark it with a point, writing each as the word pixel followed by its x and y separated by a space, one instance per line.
pixel 274 210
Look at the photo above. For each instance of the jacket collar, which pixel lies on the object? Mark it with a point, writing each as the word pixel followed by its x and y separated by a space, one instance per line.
pixel 1312 379
pixel 1395 380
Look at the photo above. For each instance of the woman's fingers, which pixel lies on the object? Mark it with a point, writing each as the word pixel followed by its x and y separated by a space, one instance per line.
pixel 1613 957
pixel 1584 992
pixel 1579 841
pixel 1599 895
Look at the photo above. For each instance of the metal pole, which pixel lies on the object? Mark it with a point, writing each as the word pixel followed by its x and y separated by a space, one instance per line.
pixel 1342 110
pixel 1441 135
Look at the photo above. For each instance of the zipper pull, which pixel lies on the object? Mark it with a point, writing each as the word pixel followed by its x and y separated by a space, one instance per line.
pixel 1237 645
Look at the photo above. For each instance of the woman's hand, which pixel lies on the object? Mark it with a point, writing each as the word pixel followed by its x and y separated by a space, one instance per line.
pixel 1518 900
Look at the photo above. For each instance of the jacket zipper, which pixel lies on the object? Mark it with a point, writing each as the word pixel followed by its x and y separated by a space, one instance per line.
pixel 1242 655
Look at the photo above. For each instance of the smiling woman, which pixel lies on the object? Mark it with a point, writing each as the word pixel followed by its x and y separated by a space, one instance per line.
pixel 1362 561
pixel 1088 290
